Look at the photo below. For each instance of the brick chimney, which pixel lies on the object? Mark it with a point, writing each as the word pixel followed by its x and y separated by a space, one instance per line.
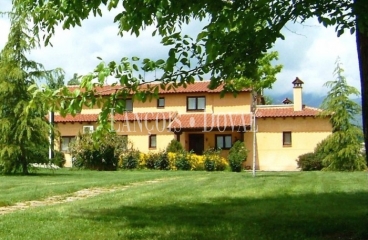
pixel 297 92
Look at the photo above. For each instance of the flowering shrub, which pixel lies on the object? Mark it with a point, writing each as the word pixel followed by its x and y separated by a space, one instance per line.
pixel 196 161
pixel 213 161
pixel 182 160
pixel 142 161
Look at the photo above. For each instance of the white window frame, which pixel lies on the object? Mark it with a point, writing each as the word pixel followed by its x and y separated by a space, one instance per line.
pixel 89 127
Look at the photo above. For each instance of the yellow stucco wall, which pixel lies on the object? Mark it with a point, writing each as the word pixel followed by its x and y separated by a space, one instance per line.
pixel 271 155
pixel 229 103
pixel 178 102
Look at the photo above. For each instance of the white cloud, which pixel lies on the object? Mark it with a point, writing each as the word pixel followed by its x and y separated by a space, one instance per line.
pixel 311 53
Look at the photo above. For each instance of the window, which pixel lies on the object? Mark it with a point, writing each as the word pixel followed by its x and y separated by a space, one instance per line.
pixel 65 141
pixel 87 129
pixel 196 103
pixel 161 102
pixel 129 105
pixel 223 141
pixel 286 138
pixel 152 141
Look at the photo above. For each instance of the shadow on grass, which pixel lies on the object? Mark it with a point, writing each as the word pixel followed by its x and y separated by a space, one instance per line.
pixel 38 174
pixel 319 216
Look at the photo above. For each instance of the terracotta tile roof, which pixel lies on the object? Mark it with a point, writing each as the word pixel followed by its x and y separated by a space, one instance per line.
pixel 128 116
pixel 197 87
pixel 286 112
pixel 208 121
pixel 76 118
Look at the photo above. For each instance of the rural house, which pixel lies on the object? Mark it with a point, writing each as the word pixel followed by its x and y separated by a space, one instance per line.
pixel 198 118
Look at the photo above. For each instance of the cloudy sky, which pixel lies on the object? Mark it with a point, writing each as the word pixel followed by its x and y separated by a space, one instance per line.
pixel 309 51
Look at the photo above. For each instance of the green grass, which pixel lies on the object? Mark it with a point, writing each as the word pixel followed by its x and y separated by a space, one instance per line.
pixel 190 205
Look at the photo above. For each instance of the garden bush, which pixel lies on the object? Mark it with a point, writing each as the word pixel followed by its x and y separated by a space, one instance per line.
pixel 101 155
pixel 174 146
pixel 129 159
pixel 309 162
pixel 150 160
pixel 237 155
pixel 142 161
pixel 59 158
pixel 172 161
pixel 196 161
pixel 182 161
pixel 162 161
pixel 213 161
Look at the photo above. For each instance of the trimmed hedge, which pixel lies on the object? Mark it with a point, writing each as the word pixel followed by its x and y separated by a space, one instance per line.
pixel 309 162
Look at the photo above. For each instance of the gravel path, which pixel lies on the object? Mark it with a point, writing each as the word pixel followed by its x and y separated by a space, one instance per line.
pixel 79 195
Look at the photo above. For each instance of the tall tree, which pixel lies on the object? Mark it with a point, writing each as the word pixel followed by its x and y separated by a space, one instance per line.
pixel 342 149
pixel 56 80
pixel 238 33
pixel 74 80
pixel 23 128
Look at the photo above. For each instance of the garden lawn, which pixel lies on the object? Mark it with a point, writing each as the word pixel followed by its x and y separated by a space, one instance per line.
pixel 189 205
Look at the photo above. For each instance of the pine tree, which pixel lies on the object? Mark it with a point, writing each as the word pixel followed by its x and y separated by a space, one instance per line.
pixel 341 151
pixel 23 129
pixel 74 80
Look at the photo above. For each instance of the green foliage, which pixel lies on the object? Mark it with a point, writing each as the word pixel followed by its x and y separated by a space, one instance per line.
pixel 213 161
pixel 309 162
pixel 182 161
pixel 130 159
pixel 237 155
pixel 346 154
pixel 74 80
pixel 162 161
pixel 101 155
pixel 341 151
pixel 151 159
pixel 59 159
pixel 23 128
pixel 174 146
pixel 56 80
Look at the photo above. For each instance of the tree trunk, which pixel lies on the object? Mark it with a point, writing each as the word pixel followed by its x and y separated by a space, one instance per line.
pixel 362 48
pixel 24 167
pixel 23 161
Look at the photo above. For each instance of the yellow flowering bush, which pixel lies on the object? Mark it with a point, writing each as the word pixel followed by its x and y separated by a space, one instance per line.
pixel 171 161
pixel 142 160
pixel 196 162
pixel 213 161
